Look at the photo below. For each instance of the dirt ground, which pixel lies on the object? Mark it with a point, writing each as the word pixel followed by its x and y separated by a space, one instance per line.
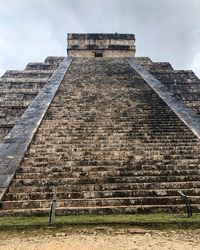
pixel 104 239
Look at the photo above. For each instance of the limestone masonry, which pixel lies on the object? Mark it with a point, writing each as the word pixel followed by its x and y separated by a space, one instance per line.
pixel 107 136
pixel 101 45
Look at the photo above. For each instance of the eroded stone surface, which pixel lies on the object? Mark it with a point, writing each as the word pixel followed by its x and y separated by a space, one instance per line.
pixel 112 146
pixel 100 45
pixel 18 88
pixel 188 116
pixel 17 141
pixel 184 84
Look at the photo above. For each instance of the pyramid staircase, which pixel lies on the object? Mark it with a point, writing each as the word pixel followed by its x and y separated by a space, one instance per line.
pixel 110 144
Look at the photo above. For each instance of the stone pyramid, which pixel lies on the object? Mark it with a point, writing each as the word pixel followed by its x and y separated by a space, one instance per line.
pixel 114 132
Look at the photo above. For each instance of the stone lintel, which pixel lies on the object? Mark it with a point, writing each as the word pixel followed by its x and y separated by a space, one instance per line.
pixel 101 36
pixel 186 115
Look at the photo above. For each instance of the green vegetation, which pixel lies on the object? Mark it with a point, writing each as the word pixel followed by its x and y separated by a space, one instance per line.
pixel 152 220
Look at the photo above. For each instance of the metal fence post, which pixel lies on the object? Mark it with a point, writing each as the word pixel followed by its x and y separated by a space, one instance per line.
pixel 187 202
pixel 53 206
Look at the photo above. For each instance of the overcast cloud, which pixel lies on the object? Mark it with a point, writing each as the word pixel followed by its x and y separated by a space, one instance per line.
pixel 165 30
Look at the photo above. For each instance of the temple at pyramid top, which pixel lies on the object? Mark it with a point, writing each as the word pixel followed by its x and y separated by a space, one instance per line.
pixel 100 45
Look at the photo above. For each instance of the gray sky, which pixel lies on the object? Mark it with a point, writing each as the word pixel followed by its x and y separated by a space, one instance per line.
pixel 165 30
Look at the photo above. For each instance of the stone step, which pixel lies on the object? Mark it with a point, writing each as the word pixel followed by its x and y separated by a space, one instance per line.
pixel 8 123
pixel 61 211
pixel 133 180
pixel 126 130
pixel 116 157
pixel 54 60
pixel 160 66
pixel 134 170
pixel 22 80
pixel 176 80
pixel 131 164
pixel 151 144
pixel 104 187
pixel 103 146
pixel 81 125
pixel 24 91
pixel 144 60
pixel 41 74
pixel 144 138
pixel 15 103
pixel 162 175
pixel 115 125
pixel 187 74
pixel 82 121
pixel 21 86
pixel 28 85
pixel 121 137
pixel 16 97
pixel 130 201
pixel 40 66
pixel 98 149
pixel 98 194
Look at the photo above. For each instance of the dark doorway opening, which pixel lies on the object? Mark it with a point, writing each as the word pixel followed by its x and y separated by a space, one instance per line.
pixel 98 54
